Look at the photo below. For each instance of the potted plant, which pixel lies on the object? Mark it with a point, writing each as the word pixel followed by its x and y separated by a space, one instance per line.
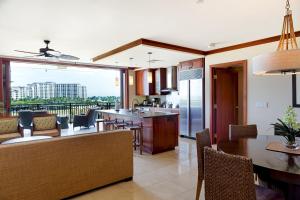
pixel 288 128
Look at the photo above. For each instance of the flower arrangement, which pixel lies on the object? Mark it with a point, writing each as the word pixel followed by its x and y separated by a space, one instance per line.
pixel 288 127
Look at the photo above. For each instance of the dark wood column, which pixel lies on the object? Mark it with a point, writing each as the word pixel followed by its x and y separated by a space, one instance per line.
pixel 5 87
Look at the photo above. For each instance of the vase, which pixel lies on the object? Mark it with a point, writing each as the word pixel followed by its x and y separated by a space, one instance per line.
pixel 292 145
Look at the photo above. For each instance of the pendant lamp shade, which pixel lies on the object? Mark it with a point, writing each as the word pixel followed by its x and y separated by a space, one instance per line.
pixel 286 60
pixel 278 62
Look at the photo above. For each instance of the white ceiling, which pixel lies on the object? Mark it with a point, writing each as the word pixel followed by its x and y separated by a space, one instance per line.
pixel 92 27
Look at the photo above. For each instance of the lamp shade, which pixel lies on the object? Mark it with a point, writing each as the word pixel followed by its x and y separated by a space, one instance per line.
pixel 279 62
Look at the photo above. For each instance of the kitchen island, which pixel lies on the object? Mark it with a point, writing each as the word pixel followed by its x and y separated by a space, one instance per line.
pixel 160 129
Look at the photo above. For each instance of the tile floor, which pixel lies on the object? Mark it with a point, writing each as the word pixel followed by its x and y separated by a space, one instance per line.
pixel 166 176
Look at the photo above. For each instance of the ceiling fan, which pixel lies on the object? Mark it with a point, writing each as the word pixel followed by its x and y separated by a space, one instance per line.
pixel 49 53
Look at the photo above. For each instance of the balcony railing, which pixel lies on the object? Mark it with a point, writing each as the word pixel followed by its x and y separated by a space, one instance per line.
pixel 62 109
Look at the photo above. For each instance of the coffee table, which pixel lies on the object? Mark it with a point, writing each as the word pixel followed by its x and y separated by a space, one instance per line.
pixel 26 139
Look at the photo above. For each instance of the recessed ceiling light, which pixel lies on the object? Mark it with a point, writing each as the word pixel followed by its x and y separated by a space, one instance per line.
pixel 212 45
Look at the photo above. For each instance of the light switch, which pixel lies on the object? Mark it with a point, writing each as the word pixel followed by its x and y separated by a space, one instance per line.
pixel 261 104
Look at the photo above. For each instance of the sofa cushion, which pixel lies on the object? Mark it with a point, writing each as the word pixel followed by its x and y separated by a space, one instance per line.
pixel 8 125
pixel 8 136
pixel 52 133
pixel 44 123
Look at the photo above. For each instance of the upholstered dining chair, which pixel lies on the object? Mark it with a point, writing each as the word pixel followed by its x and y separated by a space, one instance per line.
pixel 10 128
pixel 230 177
pixel 242 131
pixel 202 140
pixel 46 125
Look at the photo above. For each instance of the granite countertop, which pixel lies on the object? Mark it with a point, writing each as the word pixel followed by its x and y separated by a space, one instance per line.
pixel 138 114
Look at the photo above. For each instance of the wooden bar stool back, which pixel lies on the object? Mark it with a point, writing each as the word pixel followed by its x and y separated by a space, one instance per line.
pixel 137 130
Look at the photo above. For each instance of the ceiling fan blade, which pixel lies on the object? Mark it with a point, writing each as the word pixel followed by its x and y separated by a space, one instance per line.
pixel 68 57
pixel 20 51
pixel 54 53
pixel 33 56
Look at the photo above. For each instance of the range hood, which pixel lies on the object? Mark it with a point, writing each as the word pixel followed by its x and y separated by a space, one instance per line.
pixel 171 80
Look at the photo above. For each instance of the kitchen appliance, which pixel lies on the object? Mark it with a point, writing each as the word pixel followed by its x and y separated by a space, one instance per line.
pixel 191 102
pixel 171 80
pixel 155 102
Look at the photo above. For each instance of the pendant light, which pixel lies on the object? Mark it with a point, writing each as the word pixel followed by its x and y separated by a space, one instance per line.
pixel 150 78
pixel 286 60
pixel 131 82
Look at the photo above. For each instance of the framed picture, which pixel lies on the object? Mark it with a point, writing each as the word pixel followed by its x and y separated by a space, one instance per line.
pixel 296 90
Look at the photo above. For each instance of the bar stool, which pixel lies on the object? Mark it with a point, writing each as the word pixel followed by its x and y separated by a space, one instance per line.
pixel 120 124
pixel 109 124
pixel 137 135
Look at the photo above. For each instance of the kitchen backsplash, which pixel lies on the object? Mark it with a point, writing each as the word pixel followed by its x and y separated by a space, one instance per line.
pixel 170 98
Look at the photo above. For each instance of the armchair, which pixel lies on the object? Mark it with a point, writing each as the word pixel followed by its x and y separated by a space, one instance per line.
pixel 86 120
pixel 46 125
pixel 25 117
pixel 10 129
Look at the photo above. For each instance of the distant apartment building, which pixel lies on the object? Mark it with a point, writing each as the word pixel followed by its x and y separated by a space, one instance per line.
pixel 41 90
pixel 70 90
pixel 18 93
pixel 47 90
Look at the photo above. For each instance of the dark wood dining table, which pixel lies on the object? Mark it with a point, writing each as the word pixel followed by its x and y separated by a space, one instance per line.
pixel 280 170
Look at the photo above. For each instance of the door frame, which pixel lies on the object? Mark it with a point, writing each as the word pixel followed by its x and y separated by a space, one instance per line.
pixel 240 63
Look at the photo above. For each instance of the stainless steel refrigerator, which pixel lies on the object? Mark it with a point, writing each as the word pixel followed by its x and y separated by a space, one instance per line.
pixel 191 102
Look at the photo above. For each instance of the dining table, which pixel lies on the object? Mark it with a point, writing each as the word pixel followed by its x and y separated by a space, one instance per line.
pixel 275 169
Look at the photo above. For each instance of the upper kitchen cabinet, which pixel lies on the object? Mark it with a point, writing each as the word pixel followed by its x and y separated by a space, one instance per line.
pixel 192 64
pixel 160 80
pixel 145 82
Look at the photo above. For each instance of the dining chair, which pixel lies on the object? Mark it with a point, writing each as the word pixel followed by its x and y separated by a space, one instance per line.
pixel 230 177
pixel 242 131
pixel 202 140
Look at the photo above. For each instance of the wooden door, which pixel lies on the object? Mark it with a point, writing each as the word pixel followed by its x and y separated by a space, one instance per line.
pixel 226 100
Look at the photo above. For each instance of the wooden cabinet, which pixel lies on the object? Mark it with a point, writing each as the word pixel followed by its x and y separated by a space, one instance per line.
pixel 160 134
pixel 192 64
pixel 160 80
pixel 145 82
pixel 139 82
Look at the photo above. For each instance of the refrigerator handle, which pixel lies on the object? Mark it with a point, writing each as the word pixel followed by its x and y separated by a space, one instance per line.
pixel 189 108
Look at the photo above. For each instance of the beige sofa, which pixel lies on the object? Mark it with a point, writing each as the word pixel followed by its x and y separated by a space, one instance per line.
pixel 61 167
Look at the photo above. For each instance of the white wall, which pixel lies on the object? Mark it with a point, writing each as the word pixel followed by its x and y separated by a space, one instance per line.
pixel 275 90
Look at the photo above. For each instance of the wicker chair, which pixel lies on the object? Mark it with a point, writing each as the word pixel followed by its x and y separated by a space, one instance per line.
pixel 10 128
pixel 242 131
pixel 26 117
pixel 229 177
pixel 203 140
pixel 46 125
pixel 85 120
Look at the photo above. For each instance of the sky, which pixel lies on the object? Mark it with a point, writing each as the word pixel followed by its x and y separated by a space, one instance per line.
pixel 99 82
